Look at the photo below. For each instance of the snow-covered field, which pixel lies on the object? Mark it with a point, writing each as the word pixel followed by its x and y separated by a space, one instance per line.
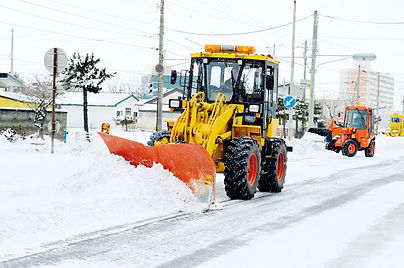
pixel 81 188
pixel 46 199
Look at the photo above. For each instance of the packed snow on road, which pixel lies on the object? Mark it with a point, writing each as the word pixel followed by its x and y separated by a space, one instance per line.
pixel 82 191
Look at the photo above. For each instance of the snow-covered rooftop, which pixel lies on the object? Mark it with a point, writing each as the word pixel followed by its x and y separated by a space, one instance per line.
pixel 9 80
pixel 153 107
pixel 17 96
pixel 99 99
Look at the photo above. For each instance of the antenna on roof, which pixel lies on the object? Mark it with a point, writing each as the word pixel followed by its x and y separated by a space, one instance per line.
pixel 12 52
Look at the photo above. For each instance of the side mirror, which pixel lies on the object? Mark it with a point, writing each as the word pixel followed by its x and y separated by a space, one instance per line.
pixel 173 77
pixel 269 82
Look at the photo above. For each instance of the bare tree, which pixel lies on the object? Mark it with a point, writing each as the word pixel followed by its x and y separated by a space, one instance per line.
pixel 125 87
pixel 145 83
pixel 332 108
pixel 116 86
pixel 40 95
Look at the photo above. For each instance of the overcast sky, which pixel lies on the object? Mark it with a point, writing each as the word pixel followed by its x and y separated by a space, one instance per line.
pixel 124 33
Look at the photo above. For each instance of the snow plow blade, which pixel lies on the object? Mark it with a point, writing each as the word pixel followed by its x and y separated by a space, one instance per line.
pixel 191 163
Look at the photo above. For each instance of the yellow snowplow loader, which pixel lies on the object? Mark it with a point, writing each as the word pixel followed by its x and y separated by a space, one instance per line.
pixel 396 125
pixel 229 109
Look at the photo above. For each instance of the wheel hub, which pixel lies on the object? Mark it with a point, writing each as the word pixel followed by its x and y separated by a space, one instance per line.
pixel 252 169
pixel 280 169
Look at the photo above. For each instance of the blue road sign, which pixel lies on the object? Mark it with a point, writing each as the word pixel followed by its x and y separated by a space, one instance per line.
pixel 159 68
pixel 289 102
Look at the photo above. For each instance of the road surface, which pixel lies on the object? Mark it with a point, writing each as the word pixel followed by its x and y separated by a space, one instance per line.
pixel 206 239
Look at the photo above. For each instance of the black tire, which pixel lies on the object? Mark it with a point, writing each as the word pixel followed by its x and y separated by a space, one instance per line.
pixel 349 148
pixel 242 162
pixel 370 151
pixel 273 179
pixel 159 136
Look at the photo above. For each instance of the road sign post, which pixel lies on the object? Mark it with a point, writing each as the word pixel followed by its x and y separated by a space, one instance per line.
pixel 55 61
pixel 289 102
pixel 159 68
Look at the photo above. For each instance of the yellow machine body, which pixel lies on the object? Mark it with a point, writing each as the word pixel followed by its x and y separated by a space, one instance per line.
pixel 396 125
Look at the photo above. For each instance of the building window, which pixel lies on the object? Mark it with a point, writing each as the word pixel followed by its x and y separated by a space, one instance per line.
pixel 128 111
pixel 118 113
pixel 134 114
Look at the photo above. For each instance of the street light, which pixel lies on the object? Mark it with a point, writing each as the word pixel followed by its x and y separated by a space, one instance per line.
pixel 356 57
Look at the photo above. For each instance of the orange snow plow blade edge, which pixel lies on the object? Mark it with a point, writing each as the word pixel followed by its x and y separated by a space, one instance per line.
pixel 191 163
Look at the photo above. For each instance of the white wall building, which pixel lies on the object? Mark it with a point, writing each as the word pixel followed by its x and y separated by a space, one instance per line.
pixel 296 91
pixel 371 85
pixel 148 111
pixel 375 89
pixel 102 108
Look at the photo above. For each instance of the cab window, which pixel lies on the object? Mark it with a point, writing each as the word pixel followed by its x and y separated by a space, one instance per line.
pixel 356 118
pixel 221 78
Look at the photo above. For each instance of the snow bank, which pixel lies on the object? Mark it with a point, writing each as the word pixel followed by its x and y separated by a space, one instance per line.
pixel 310 160
pixel 82 188
pixel 79 189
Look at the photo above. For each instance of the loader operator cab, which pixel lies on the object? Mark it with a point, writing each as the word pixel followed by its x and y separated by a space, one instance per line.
pixel 241 77
pixel 356 119
pixel 396 120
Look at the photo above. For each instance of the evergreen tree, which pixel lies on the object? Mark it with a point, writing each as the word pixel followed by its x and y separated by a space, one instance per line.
pixel 40 95
pixel 301 114
pixel 318 112
pixel 83 74
pixel 282 114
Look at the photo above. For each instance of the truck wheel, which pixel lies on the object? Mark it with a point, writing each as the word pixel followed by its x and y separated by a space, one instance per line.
pixel 370 151
pixel 349 148
pixel 275 178
pixel 159 136
pixel 242 162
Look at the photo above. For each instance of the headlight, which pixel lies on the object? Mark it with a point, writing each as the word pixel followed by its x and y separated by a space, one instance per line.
pixel 254 108
pixel 174 103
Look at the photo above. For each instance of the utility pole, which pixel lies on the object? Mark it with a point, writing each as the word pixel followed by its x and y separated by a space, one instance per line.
pixel 313 69
pixel 292 70
pixel 12 52
pixel 55 66
pixel 292 62
pixel 305 67
pixel 159 118
pixel 377 102
pixel 358 80
pixel 305 87
pixel 402 101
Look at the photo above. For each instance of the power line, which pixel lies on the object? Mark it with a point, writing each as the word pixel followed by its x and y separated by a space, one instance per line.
pixel 242 33
pixel 193 42
pixel 231 13
pixel 76 36
pixel 115 16
pixel 362 21
pixel 69 23
pixel 82 17
pixel 177 43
